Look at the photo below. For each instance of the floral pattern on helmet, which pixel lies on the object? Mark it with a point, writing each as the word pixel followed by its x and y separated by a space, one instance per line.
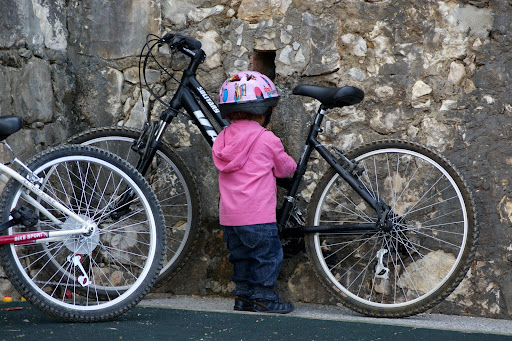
pixel 247 86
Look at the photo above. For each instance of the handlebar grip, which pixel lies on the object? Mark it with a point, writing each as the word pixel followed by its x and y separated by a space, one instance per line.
pixel 193 43
pixel 178 40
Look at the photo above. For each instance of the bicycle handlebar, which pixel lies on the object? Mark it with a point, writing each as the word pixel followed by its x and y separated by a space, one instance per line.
pixel 179 41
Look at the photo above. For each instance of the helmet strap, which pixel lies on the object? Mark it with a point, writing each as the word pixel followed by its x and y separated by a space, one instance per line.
pixel 268 116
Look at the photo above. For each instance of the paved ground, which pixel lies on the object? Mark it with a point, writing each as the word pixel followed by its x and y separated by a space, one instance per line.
pixel 342 314
pixel 212 318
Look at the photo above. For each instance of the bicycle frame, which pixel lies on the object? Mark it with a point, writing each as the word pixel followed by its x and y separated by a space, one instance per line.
pixel 185 97
pixel 40 237
pixel 190 95
pixel 354 182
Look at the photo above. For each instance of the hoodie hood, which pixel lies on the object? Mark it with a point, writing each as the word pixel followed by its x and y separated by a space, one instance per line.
pixel 234 144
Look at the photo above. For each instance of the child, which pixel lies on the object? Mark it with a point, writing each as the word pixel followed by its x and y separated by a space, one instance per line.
pixel 249 158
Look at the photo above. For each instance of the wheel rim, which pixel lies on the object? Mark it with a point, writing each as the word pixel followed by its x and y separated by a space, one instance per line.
pixel 175 225
pixel 61 288
pixel 405 296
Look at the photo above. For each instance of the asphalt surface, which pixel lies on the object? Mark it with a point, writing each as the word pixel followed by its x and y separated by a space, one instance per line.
pixel 212 318
pixel 449 323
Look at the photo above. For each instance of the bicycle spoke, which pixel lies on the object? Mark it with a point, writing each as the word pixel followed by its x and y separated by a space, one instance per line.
pixel 402 268
pixel 168 179
pixel 82 274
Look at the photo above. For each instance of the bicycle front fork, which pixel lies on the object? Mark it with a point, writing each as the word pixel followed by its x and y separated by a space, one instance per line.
pixel 146 147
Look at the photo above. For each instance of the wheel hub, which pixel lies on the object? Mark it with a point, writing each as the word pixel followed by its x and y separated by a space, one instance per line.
pixel 85 243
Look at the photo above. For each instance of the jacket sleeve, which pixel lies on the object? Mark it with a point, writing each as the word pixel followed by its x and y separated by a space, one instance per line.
pixel 284 164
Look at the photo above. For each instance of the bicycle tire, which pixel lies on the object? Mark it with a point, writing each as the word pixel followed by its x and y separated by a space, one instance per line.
pixel 435 231
pixel 179 201
pixel 121 258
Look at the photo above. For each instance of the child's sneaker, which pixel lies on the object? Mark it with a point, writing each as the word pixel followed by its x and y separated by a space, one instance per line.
pixel 276 307
pixel 243 304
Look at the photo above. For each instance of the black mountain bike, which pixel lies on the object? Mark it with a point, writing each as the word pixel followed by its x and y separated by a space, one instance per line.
pixel 391 227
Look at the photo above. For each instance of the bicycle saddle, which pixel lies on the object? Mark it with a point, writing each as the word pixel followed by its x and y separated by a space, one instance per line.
pixel 331 97
pixel 9 125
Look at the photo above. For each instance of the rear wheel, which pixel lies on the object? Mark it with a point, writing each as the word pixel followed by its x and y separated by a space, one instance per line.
pixel 172 183
pixel 83 277
pixel 426 253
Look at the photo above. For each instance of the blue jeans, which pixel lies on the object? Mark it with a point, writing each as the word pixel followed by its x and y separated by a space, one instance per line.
pixel 256 254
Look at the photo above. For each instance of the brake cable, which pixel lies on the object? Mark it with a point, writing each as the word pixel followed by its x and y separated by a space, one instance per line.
pixel 157 41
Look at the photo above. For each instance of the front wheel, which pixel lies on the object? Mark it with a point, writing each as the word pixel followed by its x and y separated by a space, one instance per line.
pixel 94 276
pixel 172 183
pixel 417 263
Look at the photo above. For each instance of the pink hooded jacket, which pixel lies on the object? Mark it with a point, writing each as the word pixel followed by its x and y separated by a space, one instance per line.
pixel 249 158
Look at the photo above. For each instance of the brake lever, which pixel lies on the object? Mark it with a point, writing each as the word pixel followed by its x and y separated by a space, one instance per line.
pixel 168 37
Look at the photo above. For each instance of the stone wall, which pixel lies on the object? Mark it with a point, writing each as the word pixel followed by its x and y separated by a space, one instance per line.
pixel 436 72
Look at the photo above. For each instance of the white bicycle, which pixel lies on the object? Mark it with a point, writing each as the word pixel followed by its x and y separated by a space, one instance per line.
pixel 83 235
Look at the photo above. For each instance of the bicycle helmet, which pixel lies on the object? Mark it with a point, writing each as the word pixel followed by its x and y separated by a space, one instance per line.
pixel 247 91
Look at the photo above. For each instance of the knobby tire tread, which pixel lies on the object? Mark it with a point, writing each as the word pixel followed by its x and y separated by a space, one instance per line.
pixel 7 258
pixel 451 285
